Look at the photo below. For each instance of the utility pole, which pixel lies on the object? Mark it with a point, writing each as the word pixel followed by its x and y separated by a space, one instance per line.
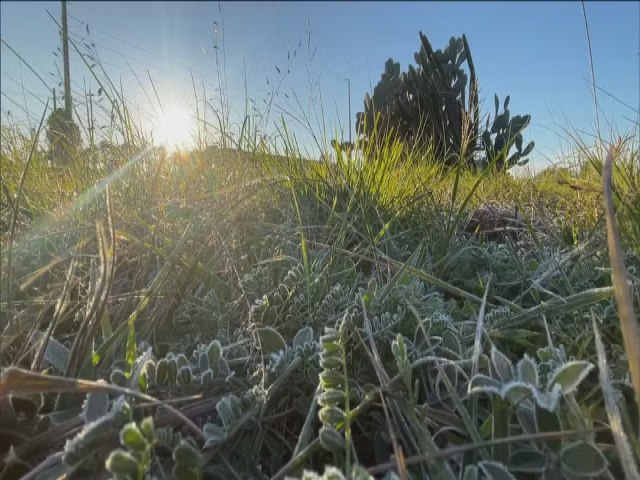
pixel 89 104
pixel 65 55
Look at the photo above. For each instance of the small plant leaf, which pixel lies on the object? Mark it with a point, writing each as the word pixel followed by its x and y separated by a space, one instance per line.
pixel 123 464
pixel 131 437
pixel 502 365
pixel 148 429
pixel 548 400
pixel 583 459
pixel 55 353
pixel 528 371
pixel 495 471
pixel 528 461
pixel 229 409
pixel 546 354
pixel 470 473
pixel 270 340
pixel 187 454
pixel 451 342
pixel 223 368
pixel 527 418
pixel 304 336
pixel 131 347
pixel 331 440
pixel 182 471
pixel 215 434
pixel 214 351
pixel 516 392
pixel 95 406
pixel 482 383
pixel 549 422
pixel 569 375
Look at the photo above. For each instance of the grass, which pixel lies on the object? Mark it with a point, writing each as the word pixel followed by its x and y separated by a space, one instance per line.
pixel 247 313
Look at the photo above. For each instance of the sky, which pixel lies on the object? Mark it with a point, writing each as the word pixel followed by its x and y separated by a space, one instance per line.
pixel 536 52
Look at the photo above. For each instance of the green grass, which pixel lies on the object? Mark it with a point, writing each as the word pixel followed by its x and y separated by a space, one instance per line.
pixel 244 313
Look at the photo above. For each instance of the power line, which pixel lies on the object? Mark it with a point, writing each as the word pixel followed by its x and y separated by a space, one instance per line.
pixel 161 66
pixel 126 57
pixel 102 111
pixel 621 102
pixel 25 110
pixel 25 123
pixel 131 44
pixel 168 72
pixel 82 22
pixel 81 88
pixel 23 61
pixel 21 84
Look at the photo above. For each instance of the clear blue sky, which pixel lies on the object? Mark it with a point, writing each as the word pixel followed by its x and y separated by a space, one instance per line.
pixel 535 51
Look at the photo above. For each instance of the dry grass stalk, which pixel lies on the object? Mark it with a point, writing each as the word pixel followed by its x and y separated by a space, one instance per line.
pixel 628 322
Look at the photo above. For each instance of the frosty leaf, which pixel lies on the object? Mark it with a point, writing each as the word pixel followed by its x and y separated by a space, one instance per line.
pixel 495 471
pixel 55 353
pixel 304 336
pixel 451 342
pixel 548 400
pixel 215 434
pixel 484 384
pixel 527 419
pixel 528 461
pixel 569 375
pixel 502 365
pixel 583 459
pixel 516 392
pixel 528 371
pixel 95 406
pixel 270 340
pixel 229 409
pixel 470 473
pixel 549 422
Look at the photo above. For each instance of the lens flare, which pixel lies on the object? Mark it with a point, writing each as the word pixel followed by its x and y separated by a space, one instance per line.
pixel 174 129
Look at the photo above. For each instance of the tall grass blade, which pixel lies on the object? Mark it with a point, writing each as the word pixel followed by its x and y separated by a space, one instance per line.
pixel 627 459
pixel 627 317
pixel 16 209
pixel 17 381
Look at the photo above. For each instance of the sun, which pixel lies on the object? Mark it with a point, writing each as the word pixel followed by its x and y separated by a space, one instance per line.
pixel 174 128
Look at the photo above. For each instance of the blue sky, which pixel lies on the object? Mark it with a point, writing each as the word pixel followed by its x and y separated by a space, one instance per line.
pixel 534 51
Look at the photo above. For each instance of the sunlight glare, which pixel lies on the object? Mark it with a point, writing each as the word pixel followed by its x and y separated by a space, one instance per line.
pixel 174 129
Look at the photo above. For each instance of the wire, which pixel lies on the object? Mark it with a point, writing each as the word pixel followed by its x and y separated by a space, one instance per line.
pixel 101 112
pixel 23 61
pixel 133 59
pixel 28 112
pixel 131 44
pixel 21 84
